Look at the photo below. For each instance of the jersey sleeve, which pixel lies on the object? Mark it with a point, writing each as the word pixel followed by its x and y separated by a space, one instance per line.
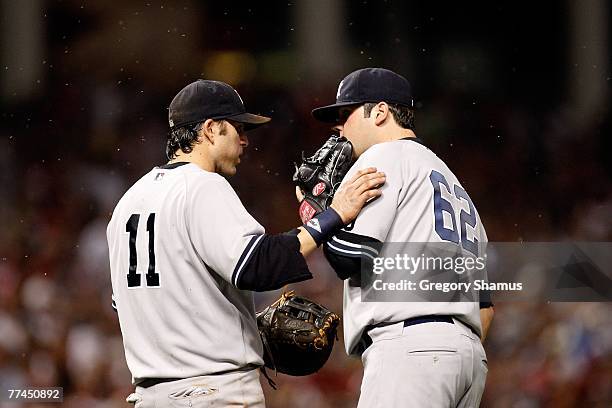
pixel 275 262
pixel 346 252
pixel 376 217
pixel 220 229
pixel 361 240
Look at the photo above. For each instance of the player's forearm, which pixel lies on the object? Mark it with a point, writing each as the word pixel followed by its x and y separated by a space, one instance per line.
pixel 486 317
pixel 307 243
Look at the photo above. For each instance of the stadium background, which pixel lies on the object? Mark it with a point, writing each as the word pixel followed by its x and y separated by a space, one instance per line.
pixel 514 96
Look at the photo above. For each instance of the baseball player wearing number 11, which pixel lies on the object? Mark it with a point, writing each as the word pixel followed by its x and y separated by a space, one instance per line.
pixel 186 256
pixel 415 354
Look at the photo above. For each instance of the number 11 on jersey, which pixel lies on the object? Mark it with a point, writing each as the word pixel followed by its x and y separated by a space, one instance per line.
pixel 133 277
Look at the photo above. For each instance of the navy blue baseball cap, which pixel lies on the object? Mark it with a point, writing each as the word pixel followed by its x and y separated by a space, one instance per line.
pixel 205 99
pixel 367 85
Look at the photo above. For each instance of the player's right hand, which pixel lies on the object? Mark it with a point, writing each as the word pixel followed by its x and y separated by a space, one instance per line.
pixel 353 195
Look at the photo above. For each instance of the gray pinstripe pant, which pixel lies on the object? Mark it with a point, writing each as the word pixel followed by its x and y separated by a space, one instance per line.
pixel 425 365
pixel 236 389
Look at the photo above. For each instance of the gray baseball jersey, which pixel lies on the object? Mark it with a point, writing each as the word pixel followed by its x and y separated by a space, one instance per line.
pixel 422 201
pixel 179 240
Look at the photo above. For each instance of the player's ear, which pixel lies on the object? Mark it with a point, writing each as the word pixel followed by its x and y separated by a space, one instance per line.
pixel 207 131
pixel 380 112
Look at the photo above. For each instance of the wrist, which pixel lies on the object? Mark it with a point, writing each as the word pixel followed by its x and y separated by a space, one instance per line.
pixel 344 221
pixel 324 225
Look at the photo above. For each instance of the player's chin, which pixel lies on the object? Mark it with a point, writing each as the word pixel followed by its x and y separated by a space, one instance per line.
pixel 230 170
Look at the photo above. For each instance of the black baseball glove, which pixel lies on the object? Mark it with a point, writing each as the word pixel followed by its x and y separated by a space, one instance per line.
pixel 298 334
pixel 319 176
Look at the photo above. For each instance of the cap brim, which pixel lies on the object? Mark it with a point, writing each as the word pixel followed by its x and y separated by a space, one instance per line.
pixel 329 113
pixel 250 120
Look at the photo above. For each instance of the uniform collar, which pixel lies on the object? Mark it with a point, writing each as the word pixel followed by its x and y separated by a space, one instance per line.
pixel 414 139
pixel 170 166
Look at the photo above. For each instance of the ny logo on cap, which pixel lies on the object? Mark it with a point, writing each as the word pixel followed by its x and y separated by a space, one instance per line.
pixel 241 101
pixel 339 88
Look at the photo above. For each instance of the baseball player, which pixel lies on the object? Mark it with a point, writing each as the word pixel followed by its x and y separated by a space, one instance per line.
pixel 415 354
pixel 185 256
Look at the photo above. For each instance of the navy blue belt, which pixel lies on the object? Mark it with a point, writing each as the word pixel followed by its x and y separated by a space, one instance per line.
pixel 434 318
pixel 428 319
pixel 150 382
pixel 366 340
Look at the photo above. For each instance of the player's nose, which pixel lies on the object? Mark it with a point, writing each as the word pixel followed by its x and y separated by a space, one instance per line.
pixel 339 129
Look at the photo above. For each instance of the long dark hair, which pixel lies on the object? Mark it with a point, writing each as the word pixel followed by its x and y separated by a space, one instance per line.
pixel 183 138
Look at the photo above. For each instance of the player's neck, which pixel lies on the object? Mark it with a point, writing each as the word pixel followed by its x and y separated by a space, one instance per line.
pixel 196 157
pixel 396 133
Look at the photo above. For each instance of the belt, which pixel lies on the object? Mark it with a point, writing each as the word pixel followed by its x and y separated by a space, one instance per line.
pixel 428 319
pixel 435 318
pixel 366 340
pixel 150 382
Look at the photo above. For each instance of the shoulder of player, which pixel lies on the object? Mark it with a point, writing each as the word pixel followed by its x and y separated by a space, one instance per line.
pixel 191 176
pixel 197 179
pixel 393 148
pixel 387 154
pixel 193 179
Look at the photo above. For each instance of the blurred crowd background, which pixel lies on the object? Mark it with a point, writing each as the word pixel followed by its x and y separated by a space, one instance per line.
pixel 514 96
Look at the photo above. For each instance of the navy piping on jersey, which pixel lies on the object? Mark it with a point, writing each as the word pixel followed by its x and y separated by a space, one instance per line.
pixel 244 258
pixel 351 249
pixel 170 166
pixel 346 251
pixel 269 262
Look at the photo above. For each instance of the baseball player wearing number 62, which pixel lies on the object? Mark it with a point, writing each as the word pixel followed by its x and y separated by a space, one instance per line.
pixel 415 354
pixel 186 256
